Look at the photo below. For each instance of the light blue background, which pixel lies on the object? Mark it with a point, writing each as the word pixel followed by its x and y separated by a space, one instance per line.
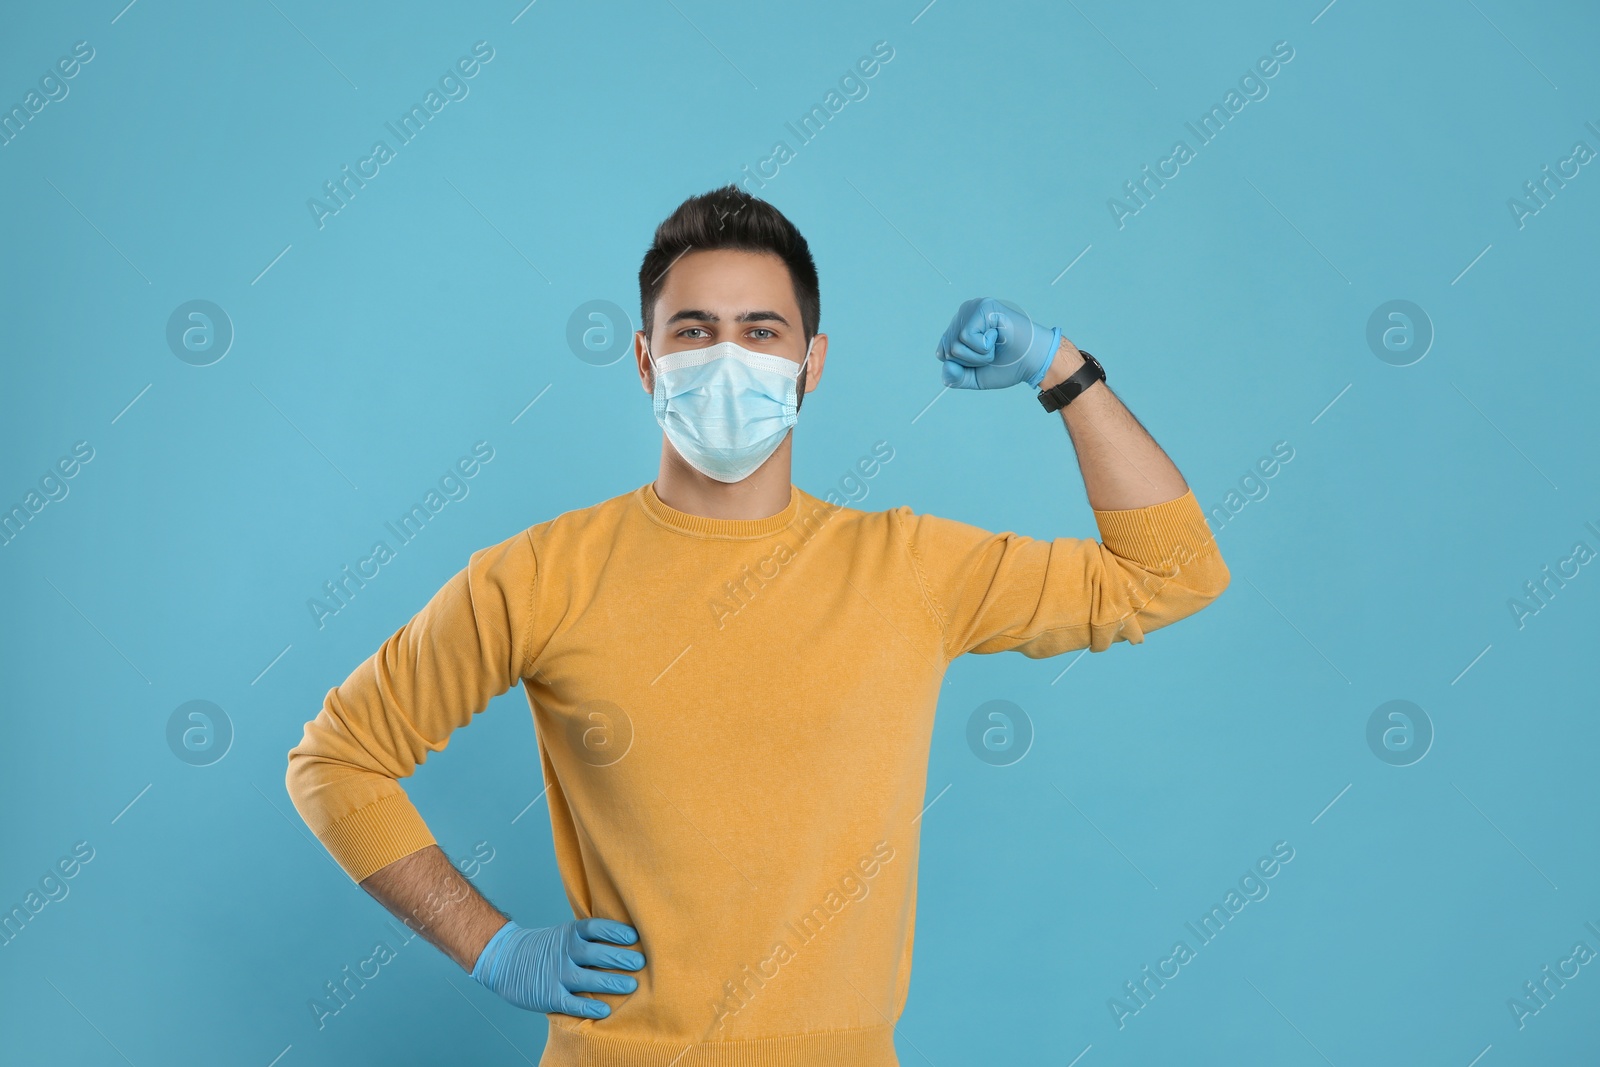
pixel 1230 312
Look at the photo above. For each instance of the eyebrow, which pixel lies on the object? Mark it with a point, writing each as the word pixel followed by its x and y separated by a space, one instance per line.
pixel 701 315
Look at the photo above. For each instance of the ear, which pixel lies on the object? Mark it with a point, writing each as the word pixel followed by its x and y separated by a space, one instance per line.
pixel 646 377
pixel 819 355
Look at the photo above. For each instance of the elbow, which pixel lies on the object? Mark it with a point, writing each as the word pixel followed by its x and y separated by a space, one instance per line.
pixel 295 780
pixel 310 765
pixel 1204 575
pixel 1206 585
pixel 1218 581
pixel 294 767
pixel 1171 598
pixel 299 757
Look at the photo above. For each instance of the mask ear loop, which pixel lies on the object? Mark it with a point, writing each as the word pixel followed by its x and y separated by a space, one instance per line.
pixel 655 373
pixel 801 370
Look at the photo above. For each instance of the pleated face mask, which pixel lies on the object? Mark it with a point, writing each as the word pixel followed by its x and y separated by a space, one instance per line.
pixel 726 408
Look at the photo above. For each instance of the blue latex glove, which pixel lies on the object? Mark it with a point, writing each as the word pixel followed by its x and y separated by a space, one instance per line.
pixel 989 345
pixel 540 969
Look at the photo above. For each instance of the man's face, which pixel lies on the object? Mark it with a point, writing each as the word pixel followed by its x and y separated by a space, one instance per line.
pixel 724 295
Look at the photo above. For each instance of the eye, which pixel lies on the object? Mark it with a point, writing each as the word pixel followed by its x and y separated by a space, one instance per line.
pixel 763 329
pixel 683 332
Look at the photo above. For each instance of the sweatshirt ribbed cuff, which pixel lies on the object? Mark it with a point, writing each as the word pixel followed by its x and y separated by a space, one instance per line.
pixel 1161 536
pixel 371 838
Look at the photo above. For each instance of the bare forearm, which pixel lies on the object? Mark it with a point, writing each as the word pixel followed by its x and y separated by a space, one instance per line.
pixel 1122 465
pixel 429 895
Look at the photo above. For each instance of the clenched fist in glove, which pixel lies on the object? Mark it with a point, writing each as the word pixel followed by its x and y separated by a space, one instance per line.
pixel 991 344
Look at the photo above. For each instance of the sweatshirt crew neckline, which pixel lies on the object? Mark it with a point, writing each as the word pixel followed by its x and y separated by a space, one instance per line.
pixel 723 529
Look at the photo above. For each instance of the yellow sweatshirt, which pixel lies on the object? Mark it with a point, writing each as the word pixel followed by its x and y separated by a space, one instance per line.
pixel 733 720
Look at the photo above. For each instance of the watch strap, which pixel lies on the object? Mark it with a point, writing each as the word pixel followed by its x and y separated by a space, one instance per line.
pixel 1065 392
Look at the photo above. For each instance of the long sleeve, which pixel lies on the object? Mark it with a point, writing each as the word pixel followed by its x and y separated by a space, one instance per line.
pixel 998 592
pixel 466 646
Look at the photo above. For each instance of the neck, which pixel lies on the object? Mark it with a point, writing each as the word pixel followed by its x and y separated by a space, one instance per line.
pixel 764 493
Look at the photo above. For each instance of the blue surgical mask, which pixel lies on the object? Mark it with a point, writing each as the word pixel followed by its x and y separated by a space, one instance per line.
pixel 726 408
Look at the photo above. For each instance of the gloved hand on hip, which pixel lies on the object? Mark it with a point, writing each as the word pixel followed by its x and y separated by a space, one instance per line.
pixel 541 969
pixel 991 344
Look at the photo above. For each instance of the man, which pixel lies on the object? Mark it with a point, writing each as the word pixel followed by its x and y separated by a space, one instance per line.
pixel 734 682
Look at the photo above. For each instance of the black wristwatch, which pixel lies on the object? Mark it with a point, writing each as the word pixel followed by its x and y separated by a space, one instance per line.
pixel 1064 392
